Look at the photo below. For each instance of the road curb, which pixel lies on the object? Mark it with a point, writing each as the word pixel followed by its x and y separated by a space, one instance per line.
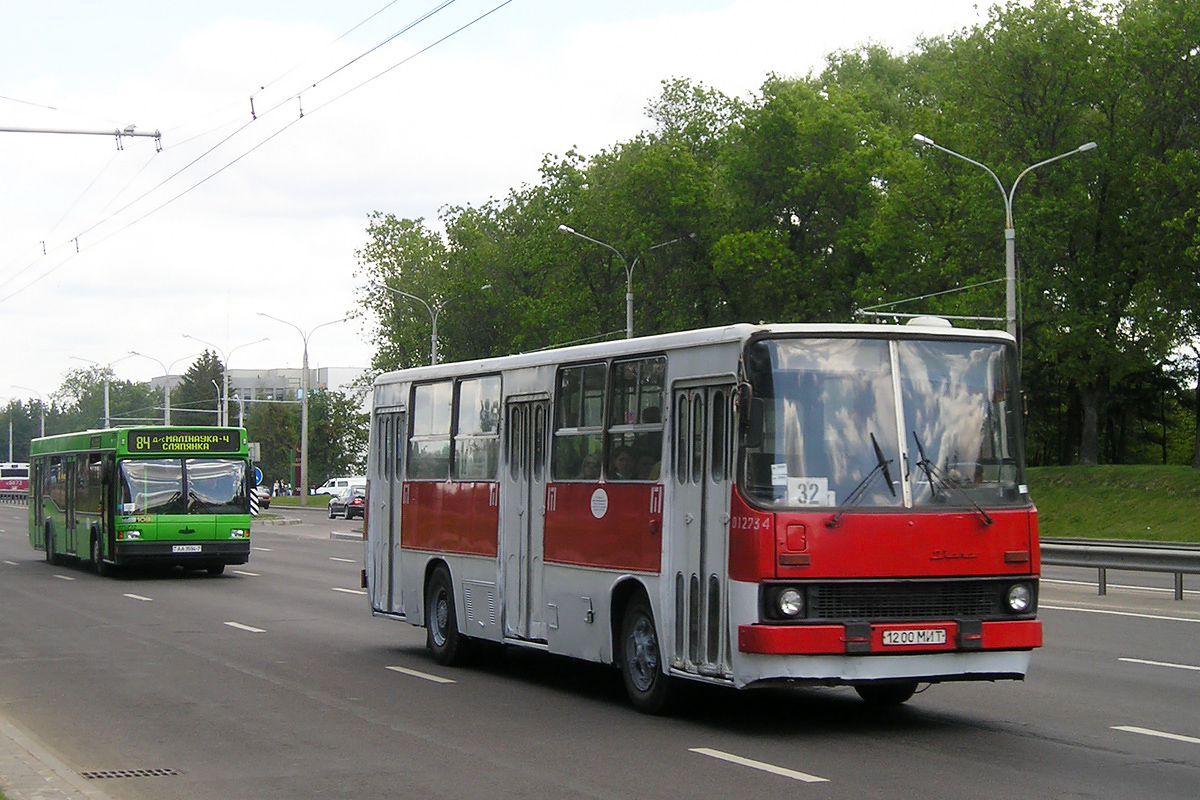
pixel 29 771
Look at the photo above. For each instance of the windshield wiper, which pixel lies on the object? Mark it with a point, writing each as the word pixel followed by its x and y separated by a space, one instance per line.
pixel 881 465
pixel 925 466
pixel 930 469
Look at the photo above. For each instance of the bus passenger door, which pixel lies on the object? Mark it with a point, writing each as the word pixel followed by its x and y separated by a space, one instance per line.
pixel 701 461
pixel 384 512
pixel 523 517
pixel 70 534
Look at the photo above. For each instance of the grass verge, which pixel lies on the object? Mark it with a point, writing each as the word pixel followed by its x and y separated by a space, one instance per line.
pixel 1151 503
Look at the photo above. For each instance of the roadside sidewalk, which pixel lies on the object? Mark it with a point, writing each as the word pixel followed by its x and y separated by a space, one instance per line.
pixel 29 771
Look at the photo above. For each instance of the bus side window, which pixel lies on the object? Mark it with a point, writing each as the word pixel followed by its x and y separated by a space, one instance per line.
pixel 429 445
pixel 477 429
pixel 579 423
pixel 635 429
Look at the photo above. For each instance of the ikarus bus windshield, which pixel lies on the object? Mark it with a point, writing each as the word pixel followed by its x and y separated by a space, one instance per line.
pixel 877 423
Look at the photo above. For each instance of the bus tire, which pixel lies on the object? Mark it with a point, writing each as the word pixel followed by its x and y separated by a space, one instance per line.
pixel 648 686
pixel 216 569
pixel 886 693
pixel 102 569
pixel 449 647
pixel 48 543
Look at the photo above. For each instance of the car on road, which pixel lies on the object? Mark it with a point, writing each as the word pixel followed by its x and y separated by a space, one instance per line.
pixel 264 497
pixel 350 503
pixel 338 485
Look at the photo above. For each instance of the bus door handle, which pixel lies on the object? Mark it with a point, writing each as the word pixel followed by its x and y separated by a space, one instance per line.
pixel 688 519
pixel 187 530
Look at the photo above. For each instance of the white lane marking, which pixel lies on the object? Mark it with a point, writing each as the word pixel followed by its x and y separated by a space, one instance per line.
pixel 1160 734
pixel 343 560
pixel 12 563
pixel 242 627
pixel 1159 663
pixel 1092 584
pixel 1120 613
pixel 425 676
pixel 243 572
pixel 348 591
pixel 263 549
pixel 760 765
pixel 139 597
pixel 64 577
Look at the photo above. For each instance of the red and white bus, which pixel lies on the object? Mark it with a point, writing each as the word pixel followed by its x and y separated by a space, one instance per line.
pixel 747 505
pixel 14 477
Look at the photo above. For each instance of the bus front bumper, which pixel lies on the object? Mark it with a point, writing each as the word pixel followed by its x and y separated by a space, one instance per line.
pixel 890 638
pixel 219 552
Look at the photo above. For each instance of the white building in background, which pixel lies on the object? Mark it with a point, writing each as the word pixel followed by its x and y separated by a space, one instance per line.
pixel 247 386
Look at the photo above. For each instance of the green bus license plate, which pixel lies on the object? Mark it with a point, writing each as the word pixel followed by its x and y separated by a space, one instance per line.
pixel 186 548
pixel 914 636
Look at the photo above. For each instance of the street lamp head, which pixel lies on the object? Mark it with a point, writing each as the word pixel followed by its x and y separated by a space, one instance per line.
pixel 566 229
pixel 1083 148
pixel 921 138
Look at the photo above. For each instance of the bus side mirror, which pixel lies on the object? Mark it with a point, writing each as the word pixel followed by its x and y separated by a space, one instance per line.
pixel 750 409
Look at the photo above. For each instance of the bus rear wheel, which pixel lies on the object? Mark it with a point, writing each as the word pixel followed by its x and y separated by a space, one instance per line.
pixel 449 647
pixel 48 542
pixel 886 693
pixel 648 686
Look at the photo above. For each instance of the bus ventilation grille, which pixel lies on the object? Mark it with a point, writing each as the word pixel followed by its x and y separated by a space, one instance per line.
pixel 129 773
pixel 903 601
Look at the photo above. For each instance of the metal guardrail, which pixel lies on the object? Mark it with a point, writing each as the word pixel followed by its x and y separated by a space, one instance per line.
pixel 1106 554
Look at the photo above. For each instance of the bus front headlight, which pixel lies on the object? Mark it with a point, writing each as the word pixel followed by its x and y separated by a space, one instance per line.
pixel 1019 598
pixel 790 603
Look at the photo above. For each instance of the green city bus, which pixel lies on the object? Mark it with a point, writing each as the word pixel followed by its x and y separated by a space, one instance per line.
pixel 175 496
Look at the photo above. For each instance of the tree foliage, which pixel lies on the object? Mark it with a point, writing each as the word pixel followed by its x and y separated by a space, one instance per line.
pixel 810 200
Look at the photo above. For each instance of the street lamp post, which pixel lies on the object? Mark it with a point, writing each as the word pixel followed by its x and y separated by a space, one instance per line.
pixel 107 369
pixel 1010 233
pixel 303 400
pixel 41 407
pixel 223 399
pixel 629 267
pixel 435 311
pixel 166 383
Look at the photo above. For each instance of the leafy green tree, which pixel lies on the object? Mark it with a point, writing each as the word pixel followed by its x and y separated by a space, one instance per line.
pixel 276 428
pixel 337 436
pixel 81 400
pixel 195 401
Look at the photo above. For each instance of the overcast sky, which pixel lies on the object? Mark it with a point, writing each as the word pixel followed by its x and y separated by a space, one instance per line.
pixel 239 215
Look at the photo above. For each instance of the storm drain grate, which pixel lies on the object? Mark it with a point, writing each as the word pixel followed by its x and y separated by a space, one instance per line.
pixel 130 773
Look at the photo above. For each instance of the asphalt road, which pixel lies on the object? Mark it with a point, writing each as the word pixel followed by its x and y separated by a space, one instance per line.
pixel 273 681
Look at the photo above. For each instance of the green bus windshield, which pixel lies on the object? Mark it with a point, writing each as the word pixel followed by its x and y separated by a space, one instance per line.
pixel 183 486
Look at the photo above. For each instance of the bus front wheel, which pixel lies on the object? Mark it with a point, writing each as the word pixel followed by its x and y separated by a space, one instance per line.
pixel 648 686
pixel 449 647
pixel 48 541
pixel 102 569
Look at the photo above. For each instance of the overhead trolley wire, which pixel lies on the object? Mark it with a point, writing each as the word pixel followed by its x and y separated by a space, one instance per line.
pixel 218 171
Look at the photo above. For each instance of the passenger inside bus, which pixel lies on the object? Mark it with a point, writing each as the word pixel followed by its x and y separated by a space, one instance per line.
pixel 622 466
pixel 590 468
pixel 648 467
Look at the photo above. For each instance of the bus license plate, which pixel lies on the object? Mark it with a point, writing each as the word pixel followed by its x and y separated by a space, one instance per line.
pixel 914 636
pixel 186 548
